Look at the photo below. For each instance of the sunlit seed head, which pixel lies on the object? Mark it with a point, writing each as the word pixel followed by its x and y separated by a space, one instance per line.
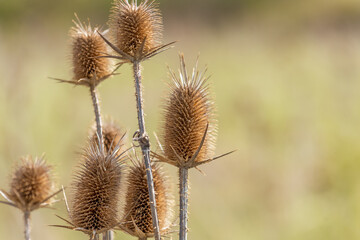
pixel 188 110
pixel 131 24
pixel 31 184
pixel 138 219
pixel 87 48
pixel 96 191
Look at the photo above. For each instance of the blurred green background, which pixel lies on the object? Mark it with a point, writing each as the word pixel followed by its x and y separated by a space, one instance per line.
pixel 286 79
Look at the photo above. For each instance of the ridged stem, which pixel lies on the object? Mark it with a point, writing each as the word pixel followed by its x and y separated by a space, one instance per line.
pixel 108 235
pixel 27 225
pixel 184 188
pixel 145 147
pixel 96 105
pixel 95 100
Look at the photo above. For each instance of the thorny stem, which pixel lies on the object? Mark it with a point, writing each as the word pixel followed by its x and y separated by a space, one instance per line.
pixel 96 105
pixel 27 225
pixel 184 185
pixel 145 148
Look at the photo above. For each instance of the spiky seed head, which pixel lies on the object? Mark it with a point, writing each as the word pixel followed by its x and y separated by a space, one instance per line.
pixel 188 110
pixel 96 190
pixel 87 49
pixel 131 24
pixel 31 184
pixel 112 134
pixel 138 219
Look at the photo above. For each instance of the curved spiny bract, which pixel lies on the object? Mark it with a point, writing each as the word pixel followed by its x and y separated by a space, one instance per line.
pixel 138 219
pixel 189 117
pixel 112 134
pixel 31 184
pixel 132 24
pixel 87 51
pixel 96 191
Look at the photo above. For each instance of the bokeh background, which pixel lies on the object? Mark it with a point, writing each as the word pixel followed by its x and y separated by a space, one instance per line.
pixel 286 79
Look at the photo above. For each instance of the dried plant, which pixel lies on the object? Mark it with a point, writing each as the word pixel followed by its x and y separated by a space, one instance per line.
pixel 89 67
pixel 136 31
pixel 96 191
pixel 189 129
pixel 31 188
pixel 138 219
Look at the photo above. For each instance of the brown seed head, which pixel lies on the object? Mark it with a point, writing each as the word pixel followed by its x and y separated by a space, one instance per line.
pixel 132 24
pixel 96 190
pixel 138 219
pixel 112 134
pixel 87 47
pixel 31 184
pixel 188 111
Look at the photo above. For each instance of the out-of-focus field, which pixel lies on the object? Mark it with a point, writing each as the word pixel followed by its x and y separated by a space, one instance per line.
pixel 286 79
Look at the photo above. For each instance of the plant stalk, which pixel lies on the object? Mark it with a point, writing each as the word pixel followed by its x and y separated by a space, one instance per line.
pixel 27 225
pixel 96 105
pixel 95 100
pixel 184 188
pixel 108 235
pixel 145 147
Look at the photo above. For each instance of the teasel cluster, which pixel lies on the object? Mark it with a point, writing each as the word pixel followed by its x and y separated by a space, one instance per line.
pixel 31 188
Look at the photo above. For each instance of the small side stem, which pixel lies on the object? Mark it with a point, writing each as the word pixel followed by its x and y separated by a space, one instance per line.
pixel 96 105
pixel 145 148
pixel 27 225
pixel 184 185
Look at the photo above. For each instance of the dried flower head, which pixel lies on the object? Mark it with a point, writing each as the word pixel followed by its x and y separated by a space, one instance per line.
pixel 136 29
pixel 87 50
pixel 112 134
pixel 96 191
pixel 138 219
pixel 190 128
pixel 31 185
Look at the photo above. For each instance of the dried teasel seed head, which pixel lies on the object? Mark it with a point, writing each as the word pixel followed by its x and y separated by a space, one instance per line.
pixel 189 113
pixel 96 191
pixel 138 219
pixel 112 134
pixel 87 49
pixel 132 24
pixel 31 184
